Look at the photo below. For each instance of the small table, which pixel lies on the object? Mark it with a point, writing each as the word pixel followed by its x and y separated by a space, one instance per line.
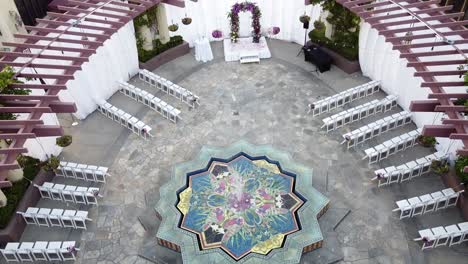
pixel 203 50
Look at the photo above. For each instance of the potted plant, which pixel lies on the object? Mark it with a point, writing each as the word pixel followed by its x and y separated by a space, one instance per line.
pixel 304 18
pixel 440 167
pixel 64 141
pixel 186 20
pixel 173 27
pixel 51 164
pixel 427 141
pixel 460 165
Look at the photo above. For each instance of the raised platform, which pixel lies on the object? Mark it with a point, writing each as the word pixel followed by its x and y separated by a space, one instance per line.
pixel 246 48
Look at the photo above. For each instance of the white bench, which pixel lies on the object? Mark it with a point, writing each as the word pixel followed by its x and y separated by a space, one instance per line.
pixel 330 103
pixel 126 120
pixel 167 111
pixel 168 87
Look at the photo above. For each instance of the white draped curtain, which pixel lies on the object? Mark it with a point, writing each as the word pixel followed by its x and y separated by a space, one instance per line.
pixel 209 15
pixel 379 62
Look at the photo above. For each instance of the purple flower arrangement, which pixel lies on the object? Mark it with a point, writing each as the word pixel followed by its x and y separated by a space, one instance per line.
pixel 274 31
pixel 217 34
pixel 234 16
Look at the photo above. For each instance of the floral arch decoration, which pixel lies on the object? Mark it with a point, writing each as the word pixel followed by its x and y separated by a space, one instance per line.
pixel 234 16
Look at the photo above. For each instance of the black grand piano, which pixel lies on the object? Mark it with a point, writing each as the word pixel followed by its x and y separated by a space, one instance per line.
pixel 315 55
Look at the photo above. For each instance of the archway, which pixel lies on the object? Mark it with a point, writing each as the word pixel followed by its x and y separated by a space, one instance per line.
pixel 234 16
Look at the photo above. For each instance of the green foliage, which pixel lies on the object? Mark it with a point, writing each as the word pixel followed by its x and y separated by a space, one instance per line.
pixel 6 80
pixel 318 37
pixel 440 167
pixel 427 141
pixel 319 25
pixel 345 39
pixel 31 167
pixel 64 141
pixel 148 19
pixel 159 48
pixel 460 165
pixel 51 164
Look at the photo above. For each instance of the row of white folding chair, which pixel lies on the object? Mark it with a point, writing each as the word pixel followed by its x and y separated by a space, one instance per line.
pixel 443 236
pixel 69 193
pixel 40 251
pixel 55 217
pixel 167 111
pixel 392 146
pixel 427 203
pixel 407 171
pixel 359 112
pixel 338 100
pixel 376 128
pixel 82 172
pixel 168 87
pixel 126 120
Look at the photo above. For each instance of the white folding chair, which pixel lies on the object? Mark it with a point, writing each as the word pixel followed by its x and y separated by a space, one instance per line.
pixel 405 209
pixel 55 217
pixel 428 238
pixel 80 194
pixel 56 192
pixel 79 220
pixel 417 205
pixel 429 203
pixel 24 251
pixel 415 169
pixel 452 196
pixel 9 253
pixel 442 237
pixel 67 251
pixel 69 170
pixel 44 190
pixel 67 194
pixel 39 251
pixel 52 251
pixel 79 171
pixel 372 155
pixel 59 171
pixel 455 234
pixel 393 174
pixel 441 200
pixel 424 164
pixel 91 195
pixel 390 146
pixel 405 173
pixel 131 124
pixel 90 173
pixel 30 215
pixel 42 217
pixel 382 177
pixel 124 119
pixel 67 218
pixel 383 151
pixel 100 174
pixel 464 229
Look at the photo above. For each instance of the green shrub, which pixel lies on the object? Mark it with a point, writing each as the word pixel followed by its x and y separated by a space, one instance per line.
pixel 51 164
pixel 31 167
pixel 440 167
pixel 158 48
pixel 460 165
pixel 427 141
pixel 349 52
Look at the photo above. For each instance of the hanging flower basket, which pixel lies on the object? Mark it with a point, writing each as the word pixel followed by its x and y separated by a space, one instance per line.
pixel 274 31
pixel 304 18
pixel 186 21
pixel 217 34
pixel 173 27
pixel 64 141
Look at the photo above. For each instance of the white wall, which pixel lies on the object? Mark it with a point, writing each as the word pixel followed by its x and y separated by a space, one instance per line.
pixel 379 62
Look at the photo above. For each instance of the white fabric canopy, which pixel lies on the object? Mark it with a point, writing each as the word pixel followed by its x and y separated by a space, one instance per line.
pixel 209 15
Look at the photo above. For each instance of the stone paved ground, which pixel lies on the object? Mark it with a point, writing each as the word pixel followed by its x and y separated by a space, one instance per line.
pixel 271 100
